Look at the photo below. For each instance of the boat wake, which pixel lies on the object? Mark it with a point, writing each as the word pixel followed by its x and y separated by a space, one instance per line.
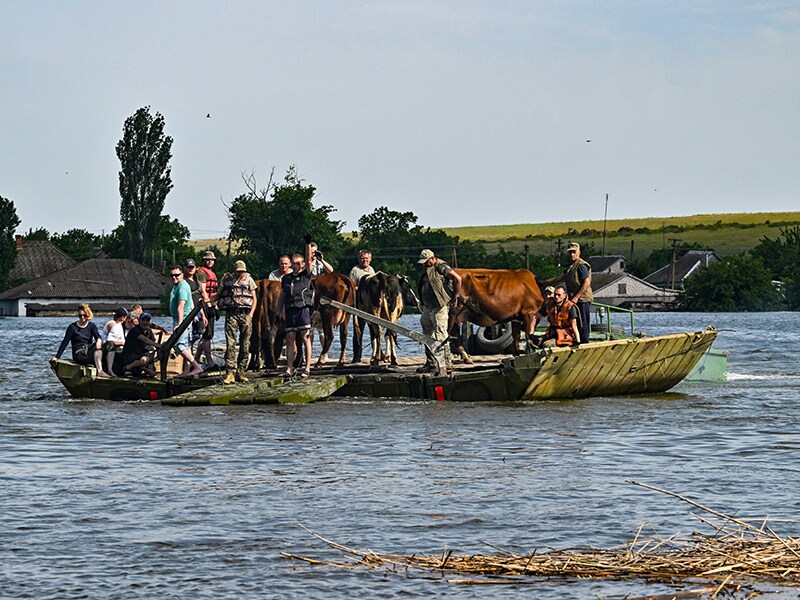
pixel 747 377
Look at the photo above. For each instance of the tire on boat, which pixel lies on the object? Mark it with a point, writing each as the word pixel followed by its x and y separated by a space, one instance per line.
pixel 495 339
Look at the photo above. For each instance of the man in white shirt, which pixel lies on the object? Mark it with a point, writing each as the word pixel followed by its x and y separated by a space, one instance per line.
pixel 363 267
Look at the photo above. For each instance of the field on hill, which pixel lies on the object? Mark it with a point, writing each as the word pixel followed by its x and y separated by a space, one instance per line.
pixel 725 233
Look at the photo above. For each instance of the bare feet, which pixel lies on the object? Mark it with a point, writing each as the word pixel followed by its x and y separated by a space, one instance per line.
pixel 196 370
pixel 103 375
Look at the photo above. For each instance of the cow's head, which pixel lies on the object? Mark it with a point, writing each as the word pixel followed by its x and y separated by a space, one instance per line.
pixel 409 297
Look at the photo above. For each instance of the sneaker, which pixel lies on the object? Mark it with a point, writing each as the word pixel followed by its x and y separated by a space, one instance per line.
pixel 229 378
pixel 426 368
pixel 241 378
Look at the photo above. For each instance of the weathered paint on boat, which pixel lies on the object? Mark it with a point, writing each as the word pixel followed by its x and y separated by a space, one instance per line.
pixel 81 381
pixel 262 391
pixel 629 366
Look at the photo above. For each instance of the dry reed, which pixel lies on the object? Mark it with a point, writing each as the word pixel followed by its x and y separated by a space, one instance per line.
pixel 737 554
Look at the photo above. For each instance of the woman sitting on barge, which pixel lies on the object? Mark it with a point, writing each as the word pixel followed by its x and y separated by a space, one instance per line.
pixel 87 345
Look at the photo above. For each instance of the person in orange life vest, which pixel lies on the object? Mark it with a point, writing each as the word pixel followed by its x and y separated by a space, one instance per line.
pixel 206 276
pixel 563 318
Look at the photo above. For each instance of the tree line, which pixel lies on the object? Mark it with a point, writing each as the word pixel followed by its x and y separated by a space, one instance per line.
pixel 266 222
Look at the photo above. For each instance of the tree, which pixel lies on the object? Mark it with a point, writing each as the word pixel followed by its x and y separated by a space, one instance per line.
pixel 144 180
pixel 171 240
pixel 9 221
pixel 77 243
pixel 740 282
pixel 781 255
pixel 272 221
pixel 37 234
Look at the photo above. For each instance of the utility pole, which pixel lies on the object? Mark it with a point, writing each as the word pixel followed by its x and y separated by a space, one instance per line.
pixel 674 242
pixel 526 249
pixel 559 242
pixel 455 258
pixel 605 219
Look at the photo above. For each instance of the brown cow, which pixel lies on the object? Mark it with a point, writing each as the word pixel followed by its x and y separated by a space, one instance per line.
pixel 267 338
pixel 341 288
pixel 384 296
pixel 492 296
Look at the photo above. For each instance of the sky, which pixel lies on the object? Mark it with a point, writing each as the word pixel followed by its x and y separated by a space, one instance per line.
pixel 466 113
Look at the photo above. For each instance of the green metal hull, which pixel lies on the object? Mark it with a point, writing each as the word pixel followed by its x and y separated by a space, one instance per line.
pixel 617 367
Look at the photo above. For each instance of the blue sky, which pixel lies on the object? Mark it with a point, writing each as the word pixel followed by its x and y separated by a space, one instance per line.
pixel 464 112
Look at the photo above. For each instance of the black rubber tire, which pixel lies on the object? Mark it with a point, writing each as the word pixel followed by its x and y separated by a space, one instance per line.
pixel 495 339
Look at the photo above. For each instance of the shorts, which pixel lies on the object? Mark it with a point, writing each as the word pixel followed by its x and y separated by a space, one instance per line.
pixel 183 342
pixel 298 319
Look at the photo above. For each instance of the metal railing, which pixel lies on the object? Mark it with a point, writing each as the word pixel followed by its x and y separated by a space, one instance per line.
pixel 606 310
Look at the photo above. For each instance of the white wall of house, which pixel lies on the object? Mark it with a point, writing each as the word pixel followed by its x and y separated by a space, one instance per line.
pixel 16 308
pixel 631 289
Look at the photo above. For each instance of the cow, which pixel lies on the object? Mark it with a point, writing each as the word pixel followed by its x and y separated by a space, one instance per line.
pixel 268 333
pixel 384 296
pixel 491 296
pixel 339 287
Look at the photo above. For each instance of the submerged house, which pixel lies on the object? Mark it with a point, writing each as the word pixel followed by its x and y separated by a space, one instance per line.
pixel 102 283
pixel 613 286
pixel 36 258
pixel 685 266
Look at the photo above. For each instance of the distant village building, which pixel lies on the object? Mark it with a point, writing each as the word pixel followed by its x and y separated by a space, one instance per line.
pixel 685 266
pixel 104 284
pixel 613 286
pixel 628 291
pixel 36 258
pixel 607 264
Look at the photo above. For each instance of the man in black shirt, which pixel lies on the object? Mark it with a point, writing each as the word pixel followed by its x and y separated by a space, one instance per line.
pixel 136 353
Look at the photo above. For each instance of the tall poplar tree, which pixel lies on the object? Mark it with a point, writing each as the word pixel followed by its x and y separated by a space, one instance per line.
pixel 144 179
pixel 9 221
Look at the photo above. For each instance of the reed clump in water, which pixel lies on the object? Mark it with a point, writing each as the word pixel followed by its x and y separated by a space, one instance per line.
pixel 736 553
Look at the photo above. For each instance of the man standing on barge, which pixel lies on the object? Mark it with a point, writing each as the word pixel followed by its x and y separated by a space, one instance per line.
pixel 436 288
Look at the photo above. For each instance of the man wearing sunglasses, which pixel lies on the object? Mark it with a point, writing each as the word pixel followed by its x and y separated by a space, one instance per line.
pixel 180 305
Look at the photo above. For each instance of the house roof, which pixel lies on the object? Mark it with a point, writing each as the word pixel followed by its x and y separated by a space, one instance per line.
pixel 684 266
pixel 603 263
pixel 601 280
pixel 94 278
pixel 36 258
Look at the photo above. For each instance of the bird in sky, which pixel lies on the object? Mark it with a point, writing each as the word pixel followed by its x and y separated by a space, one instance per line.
pixel 208 116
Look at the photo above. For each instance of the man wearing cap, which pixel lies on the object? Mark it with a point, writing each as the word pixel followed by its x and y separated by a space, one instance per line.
pixel 237 298
pixel 207 278
pixel 547 294
pixel 578 280
pixel 138 347
pixel 436 288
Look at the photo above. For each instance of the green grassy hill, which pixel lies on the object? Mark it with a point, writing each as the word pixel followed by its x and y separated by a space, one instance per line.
pixel 725 233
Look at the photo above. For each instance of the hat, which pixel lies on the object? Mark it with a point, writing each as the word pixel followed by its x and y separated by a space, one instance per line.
pixel 120 312
pixel 209 255
pixel 146 317
pixel 189 263
pixel 550 289
pixel 573 246
pixel 239 266
pixel 425 255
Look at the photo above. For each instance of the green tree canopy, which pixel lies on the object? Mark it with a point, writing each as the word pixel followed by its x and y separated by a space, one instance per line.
pixel 39 233
pixel 740 282
pixel 77 243
pixel 144 180
pixel 273 221
pixel 9 221
pixel 781 255
pixel 171 240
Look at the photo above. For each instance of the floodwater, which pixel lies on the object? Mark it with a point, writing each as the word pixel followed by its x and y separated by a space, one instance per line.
pixel 103 499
